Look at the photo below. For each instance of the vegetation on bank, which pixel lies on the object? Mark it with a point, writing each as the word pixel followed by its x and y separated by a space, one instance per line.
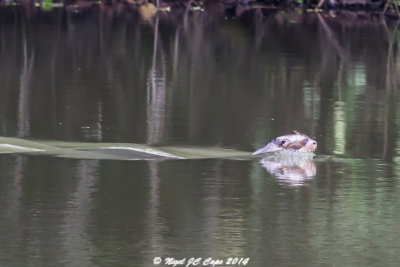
pixel 389 7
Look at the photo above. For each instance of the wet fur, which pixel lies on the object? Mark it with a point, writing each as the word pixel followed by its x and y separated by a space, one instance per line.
pixel 298 142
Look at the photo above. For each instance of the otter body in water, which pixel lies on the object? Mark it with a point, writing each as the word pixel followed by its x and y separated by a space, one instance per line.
pixel 296 142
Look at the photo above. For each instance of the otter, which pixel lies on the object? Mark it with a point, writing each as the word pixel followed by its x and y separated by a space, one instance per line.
pixel 295 142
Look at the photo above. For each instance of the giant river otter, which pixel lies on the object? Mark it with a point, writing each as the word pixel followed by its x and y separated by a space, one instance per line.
pixel 296 142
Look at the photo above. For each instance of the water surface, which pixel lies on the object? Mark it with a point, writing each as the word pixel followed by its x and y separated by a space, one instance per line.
pixel 206 83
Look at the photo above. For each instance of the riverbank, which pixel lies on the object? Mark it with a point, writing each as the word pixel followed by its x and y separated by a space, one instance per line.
pixel 226 8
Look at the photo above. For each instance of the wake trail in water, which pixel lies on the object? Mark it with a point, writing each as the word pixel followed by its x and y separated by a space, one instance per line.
pixel 120 151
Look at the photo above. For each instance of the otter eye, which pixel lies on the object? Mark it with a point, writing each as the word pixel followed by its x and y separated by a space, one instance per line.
pixel 283 141
pixel 314 143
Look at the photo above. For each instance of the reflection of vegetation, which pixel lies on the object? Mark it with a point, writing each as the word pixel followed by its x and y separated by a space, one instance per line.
pixel 339 128
pixel 193 78
pixel 349 208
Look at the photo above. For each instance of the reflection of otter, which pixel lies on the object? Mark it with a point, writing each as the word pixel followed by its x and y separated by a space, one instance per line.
pixel 294 142
pixel 290 169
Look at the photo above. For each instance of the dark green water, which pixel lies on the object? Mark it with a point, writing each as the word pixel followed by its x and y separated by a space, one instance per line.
pixel 199 79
